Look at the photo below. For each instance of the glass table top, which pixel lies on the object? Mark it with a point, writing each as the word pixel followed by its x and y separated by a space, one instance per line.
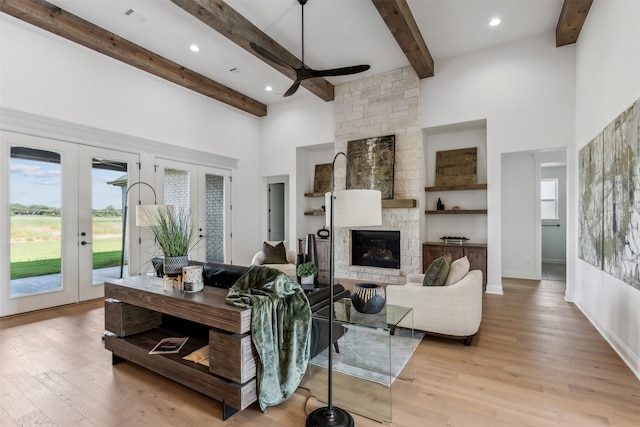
pixel 344 312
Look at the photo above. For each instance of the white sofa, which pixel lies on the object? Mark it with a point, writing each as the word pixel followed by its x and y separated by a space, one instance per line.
pixel 452 310
pixel 289 268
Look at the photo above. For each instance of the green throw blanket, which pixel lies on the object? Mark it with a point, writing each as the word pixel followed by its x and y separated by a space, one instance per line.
pixel 280 330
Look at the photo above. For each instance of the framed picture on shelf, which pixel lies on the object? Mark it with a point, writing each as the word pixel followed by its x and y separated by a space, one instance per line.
pixel 322 178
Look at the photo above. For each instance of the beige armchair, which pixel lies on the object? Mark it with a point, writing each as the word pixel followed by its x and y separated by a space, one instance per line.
pixel 289 267
pixel 452 310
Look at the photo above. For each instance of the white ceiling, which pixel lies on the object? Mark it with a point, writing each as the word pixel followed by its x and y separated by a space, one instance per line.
pixel 337 33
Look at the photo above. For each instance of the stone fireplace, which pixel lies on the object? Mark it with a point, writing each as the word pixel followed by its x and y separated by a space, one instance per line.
pixel 385 104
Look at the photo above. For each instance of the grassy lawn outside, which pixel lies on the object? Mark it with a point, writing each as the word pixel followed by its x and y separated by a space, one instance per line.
pixel 35 244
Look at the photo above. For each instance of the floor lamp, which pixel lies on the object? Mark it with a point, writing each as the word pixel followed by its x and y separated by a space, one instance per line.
pixel 346 208
pixel 124 218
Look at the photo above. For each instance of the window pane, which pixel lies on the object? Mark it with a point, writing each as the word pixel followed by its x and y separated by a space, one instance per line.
pixel 548 189
pixel 36 223
pixel 548 210
pixel 109 184
pixel 214 221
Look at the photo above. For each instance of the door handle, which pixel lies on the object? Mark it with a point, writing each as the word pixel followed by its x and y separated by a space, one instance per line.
pixel 85 243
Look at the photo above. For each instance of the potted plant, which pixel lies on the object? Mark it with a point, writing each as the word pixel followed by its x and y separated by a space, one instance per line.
pixel 307 272
pixel 175 233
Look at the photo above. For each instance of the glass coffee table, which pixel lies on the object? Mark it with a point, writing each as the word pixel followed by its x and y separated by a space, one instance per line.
pixel 375 350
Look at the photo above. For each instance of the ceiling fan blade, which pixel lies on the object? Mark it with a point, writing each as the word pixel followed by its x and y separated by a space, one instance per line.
pixel 292 89
pixel 268 55
pixel 344 71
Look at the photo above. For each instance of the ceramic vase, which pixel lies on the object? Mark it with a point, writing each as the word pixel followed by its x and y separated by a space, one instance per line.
pixel 368 298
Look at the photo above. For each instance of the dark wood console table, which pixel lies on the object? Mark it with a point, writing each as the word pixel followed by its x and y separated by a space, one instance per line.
pixel 136 311
pixel 476 253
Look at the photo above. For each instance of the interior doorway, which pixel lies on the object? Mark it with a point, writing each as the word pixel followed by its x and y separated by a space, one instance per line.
pixel 528 238
pixel 276 212
pixel 553 213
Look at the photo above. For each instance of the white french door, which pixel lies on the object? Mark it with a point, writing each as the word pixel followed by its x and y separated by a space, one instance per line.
pixel 61 205
pixel 105 176
pixel 206 193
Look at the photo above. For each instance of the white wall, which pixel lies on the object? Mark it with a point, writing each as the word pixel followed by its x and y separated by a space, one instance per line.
pixel 607 82
pixel 47 76
pixel 525 91
pixel 304 121
pixel 519 216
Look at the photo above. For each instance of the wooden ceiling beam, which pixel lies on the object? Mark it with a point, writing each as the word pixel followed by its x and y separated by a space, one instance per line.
pixel 64 24
pixel 400 21
pixel 572 17
pixel 225 20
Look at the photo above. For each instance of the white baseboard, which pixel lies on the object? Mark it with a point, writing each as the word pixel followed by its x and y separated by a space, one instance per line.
pixel 494 289
pixel 520 275
pixel 631 359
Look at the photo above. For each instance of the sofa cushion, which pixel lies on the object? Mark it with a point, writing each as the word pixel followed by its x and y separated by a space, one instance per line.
pixel 274 254
pixel 459 269
pixel 438 271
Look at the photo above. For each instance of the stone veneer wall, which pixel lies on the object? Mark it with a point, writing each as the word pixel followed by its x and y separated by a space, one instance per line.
pixel 386 104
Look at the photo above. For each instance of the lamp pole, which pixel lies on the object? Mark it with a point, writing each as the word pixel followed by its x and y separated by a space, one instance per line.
pixel 331 415
pixel 124 218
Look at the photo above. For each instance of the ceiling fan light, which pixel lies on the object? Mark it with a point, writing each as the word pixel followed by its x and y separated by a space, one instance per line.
pixel 495 22
pixel 194 48
pixel 268 88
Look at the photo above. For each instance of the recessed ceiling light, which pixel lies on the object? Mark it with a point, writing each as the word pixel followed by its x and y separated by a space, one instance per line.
pixel 495 21
pixel 194 48
pixel 268 88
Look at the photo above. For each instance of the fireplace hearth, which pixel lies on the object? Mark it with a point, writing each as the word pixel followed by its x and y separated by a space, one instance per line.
pixel 373 248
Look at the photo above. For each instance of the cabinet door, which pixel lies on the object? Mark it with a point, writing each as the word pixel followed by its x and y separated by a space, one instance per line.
pixel 455 252
pixel 323 247
pixel 429 254
pixel 478 260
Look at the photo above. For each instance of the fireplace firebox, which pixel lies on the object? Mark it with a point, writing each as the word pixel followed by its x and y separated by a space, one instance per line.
pixel 374 248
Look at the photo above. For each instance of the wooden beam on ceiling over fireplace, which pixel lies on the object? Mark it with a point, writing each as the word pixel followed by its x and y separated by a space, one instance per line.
pixel 398 17
pixel 572 17
pixel 64 24
pixel 225 20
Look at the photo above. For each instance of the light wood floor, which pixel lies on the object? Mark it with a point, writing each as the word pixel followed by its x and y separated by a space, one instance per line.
pixel 536 362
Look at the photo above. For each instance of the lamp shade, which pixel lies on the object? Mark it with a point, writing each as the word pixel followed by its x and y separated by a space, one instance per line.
pixel 148 215
pixel 354 208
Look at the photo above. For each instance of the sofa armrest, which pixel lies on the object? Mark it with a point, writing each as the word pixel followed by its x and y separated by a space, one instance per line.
pixel 258 259
pixel 451 310
pixel 415 278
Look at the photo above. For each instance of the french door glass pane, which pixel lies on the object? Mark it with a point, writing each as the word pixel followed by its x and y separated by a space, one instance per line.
pixel 109 185
pixel 36 222
pixel 176 188
pixel 214 218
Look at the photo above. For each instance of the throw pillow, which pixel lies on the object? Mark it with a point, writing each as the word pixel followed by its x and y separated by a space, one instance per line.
pixel 459 269
pixel 274 254
pixel 438 271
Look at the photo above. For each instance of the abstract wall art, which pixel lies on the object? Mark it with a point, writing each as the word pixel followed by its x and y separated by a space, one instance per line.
pixel 609 201
pixel 372 163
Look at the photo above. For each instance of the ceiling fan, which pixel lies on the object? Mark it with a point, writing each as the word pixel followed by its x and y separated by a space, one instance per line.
pixel 303 72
